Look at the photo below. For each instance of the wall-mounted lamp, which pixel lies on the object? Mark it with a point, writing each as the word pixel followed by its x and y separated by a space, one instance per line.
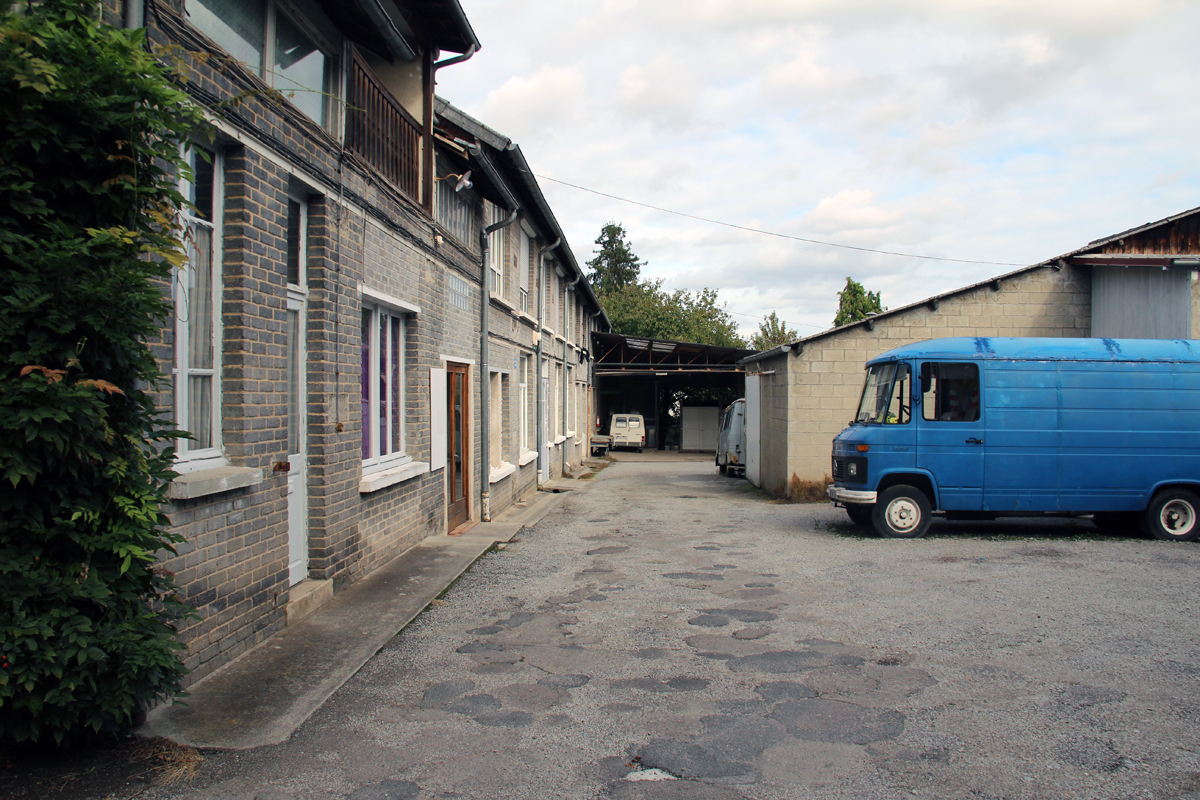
pixel 464 180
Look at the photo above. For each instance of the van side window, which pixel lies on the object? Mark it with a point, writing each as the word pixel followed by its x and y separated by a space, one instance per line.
pixel 952 394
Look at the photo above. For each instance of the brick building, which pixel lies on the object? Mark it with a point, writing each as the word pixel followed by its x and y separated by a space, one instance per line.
pixel 326 346
pixel 1136 284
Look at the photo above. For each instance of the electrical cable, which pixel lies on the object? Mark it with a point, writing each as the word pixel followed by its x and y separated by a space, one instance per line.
pixel 779 235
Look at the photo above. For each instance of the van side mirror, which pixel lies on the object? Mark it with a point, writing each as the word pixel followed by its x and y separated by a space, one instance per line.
pixel 926 377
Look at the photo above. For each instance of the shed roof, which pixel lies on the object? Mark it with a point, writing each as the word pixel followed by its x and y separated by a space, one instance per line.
pixel 985 348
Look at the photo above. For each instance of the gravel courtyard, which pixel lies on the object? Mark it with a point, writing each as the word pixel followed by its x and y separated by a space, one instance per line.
pixel 670 633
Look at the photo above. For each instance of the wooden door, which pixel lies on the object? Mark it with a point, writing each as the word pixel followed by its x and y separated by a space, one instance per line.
pixel 457 427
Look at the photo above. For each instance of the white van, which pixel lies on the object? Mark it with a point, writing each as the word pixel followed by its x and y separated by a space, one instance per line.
pixel 628 430
pixel 731 440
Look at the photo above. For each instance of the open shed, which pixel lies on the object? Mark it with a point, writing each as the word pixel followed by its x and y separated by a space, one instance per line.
pixel 637 375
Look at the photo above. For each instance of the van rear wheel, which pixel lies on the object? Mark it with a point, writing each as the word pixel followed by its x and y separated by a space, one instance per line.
pixel 902 512
pixel 1173 515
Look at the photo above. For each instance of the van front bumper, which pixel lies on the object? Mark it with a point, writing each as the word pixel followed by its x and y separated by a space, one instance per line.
pixel 850 496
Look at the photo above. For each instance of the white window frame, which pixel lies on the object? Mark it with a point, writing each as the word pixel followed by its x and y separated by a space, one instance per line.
pixel 524 447
pixel 313 23
pixel 496 241
pixel 380 308
pixel 523 271
pixel 187 457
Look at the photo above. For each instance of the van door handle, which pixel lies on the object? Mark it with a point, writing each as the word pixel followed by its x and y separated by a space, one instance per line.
pixel 973 440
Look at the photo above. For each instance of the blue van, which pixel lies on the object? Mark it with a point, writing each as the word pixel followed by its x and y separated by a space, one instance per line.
pixel 977 428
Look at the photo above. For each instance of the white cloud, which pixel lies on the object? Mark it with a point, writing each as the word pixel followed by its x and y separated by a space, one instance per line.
pixel 995 130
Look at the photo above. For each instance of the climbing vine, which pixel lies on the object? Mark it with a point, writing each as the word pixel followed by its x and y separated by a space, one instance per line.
pixel 90 135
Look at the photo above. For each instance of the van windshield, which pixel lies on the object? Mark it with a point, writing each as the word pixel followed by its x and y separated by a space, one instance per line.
pixel 881 403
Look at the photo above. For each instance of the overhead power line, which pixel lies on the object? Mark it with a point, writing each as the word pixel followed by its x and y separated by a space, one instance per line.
pixel 773 233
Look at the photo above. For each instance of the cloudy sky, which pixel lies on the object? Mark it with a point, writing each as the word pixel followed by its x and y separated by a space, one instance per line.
pixel 1004 131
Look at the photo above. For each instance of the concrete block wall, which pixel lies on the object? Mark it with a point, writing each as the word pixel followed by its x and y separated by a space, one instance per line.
pixel 773 426
pixel 826 378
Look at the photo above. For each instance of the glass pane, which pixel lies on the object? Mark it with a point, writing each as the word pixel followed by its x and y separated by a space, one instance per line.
pixel 293 380
pixel 200 191
pixel 874 403
pixel 953 393
pixel 366 383
pixel 236 25
pixel 199 298
pixel 293 243
pixel 385 394
pixel 397 415
pixel 299 68
pixel 200 419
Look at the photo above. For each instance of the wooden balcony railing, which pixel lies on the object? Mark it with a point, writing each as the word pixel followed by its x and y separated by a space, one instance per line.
pixel 381 131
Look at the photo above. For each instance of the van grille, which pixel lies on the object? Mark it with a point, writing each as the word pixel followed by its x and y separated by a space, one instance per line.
pixel 842 472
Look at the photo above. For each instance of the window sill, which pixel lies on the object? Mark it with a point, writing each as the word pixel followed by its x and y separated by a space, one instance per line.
pixel 559 439
pixel 390 477
pixel 501 472
pixel 204 482
pixel 527 319
pixel 501 301
pixel 571 435
pixel 527 456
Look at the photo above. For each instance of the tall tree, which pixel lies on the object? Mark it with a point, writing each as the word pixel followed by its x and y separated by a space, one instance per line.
pixel 772 332
pixel 641 307
pixel 615 266
pixel 855 303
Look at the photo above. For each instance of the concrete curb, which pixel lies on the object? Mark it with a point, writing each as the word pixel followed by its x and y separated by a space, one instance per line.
pixel 264 695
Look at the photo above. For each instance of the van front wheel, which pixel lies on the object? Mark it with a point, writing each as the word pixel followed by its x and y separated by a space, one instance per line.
pixel 902 512
pixel 860 515
pixel 1173 515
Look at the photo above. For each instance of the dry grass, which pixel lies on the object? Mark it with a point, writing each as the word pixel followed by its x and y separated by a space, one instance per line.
pixel 799 491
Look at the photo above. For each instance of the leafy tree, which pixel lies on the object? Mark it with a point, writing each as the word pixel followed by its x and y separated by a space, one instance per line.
pixel 90 130
pixel 855 303
pixel 772 332
pixel 615 266
pixel 641 307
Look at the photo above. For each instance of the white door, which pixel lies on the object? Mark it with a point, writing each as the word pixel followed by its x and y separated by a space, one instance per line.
pixel 297 459
pixel 752 415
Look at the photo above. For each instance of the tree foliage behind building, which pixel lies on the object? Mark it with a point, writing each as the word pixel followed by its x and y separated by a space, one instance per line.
pixel 772 332
pixel 641 307
pixel 855 303
pixel 90 131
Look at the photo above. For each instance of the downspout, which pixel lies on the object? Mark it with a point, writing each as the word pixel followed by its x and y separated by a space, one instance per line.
pixel 485 375
pixel 455 59
pixel 134 16
pixel 391 36
pixel 543 454
pixel 566 377
pixel 485 304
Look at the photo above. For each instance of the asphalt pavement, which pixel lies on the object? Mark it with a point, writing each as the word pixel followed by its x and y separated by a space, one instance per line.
pixel 672 633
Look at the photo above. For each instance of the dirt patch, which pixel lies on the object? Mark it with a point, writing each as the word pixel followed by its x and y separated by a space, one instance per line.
pixel 103 770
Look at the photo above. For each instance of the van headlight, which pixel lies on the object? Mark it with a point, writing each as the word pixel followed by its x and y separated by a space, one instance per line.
pixel 852 469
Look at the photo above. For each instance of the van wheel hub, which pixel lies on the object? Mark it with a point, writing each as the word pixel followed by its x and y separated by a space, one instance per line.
pixel 903 514
pixel 1178 517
